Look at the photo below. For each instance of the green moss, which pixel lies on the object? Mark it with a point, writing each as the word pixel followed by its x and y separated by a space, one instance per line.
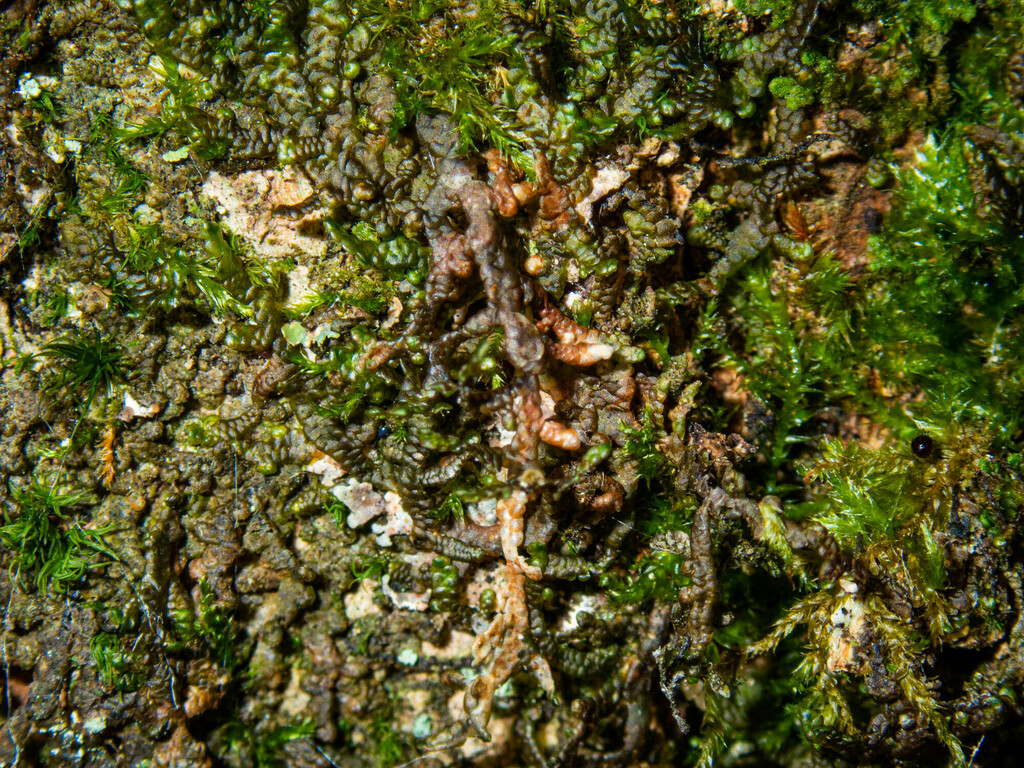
pixel 372 567
pixel 451 510
pixel 795 344
pixel 779 10
pixel 881 497
pixel 641 447
pixel 45 542
pixel 945 298
pixel 181 114
pixel 933 15
pixel 656 577
pixel 445 70
pixel 790 91
pixel 388 748
pixel 118 663
pixel 86 364
pixel 265 747
pixel 57 305
pixel 46 110
pixel 210 630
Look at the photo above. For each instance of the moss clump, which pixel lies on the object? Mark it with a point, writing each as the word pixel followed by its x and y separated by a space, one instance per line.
pixel 950 264
pixel 791 92
pixel 47 544
pixel 87 364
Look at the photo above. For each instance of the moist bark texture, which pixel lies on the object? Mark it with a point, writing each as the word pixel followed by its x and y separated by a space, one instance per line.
pixel 544 383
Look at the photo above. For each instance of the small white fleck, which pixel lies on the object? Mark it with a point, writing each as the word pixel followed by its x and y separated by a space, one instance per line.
pixel 422 727
pixel 94 724
pixel 175 155
pixel 29 87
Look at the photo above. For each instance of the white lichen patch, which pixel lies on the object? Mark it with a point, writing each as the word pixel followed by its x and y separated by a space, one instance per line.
pixel 418 559
pixel 300 285
pixel 133 410
pixel 363 502
pixel 398 522
pixel 34 197
pixel 359 602
pixel 850 631
pixel 53 145
pixel 406 601
pixel 459 646
pixel 249 204
pixel 422 726
pixel 580 603
pixel 607 179
pixel 329 470
pixel 147 215
pixel 28 87
pixel 483 512
pixel 95 724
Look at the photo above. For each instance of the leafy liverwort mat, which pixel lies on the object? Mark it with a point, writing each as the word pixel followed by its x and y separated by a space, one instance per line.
pixel 511 383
